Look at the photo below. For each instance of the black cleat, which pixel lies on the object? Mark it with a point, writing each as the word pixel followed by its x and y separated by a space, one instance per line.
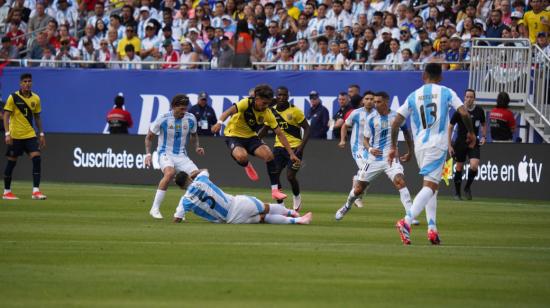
pixel 468 193
pixel 457 197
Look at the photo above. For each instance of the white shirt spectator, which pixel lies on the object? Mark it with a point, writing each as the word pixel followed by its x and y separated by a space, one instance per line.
pixel 131 64
pixel 460 25
pixel 271 43
pixel 341 21
pixel 317 24
pixel 301 57
pixel 48 64
pixel 360 9
pixel 408 65
pixel 328 58
pixel 216 22
pixel 93 19
pixel 394 60
pixel 411 44
pixel 4 10
pixel 150 42
pixel 284 65
pixel 69 16
pixel 95 42
pixel 342 63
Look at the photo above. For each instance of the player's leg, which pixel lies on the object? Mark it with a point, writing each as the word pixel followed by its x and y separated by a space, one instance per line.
pixel 168 171
pixel 364 177
pixel 431 210
pixel 14 150
pixel 460 158
pixel 281 158
pixel 291 176
pixel 264 152
pixel 239 153
pixel 36 173
pixel 360 161
pixel 474 155
pixel 278 214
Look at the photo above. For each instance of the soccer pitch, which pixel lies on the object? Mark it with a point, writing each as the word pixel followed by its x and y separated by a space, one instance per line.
pixel 96 245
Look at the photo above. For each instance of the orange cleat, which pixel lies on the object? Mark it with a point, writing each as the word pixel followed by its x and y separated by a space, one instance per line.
pixel 251 172
pixel 9 196
pixel 38 196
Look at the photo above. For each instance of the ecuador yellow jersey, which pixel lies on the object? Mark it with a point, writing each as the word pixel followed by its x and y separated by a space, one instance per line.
pixel 289 121
pixel 247 121
pixel 533 22
pixel 22 113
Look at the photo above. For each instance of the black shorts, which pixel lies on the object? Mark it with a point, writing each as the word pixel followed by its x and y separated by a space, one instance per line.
pixel 462 150
pixel 282 159
pixel 249 144
pixel 20 146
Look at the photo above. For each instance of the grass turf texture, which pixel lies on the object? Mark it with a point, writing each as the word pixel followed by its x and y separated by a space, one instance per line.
pixel 96 245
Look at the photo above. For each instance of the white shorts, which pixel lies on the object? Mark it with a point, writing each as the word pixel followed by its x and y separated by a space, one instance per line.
pixel 245 210
pixel 374 168
pixel 431 161
pixel 178 162
pixel 360 161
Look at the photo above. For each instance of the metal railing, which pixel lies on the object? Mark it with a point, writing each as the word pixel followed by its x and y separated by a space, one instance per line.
pixel 361 66
pixel 540 85
pixel 113 64
pixel 503 67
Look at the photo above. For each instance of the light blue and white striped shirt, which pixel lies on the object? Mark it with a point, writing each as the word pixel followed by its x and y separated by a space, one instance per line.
pixel 357 120
pixel 378 130
pixel 174 133
pixel 206 200
pixel 429 107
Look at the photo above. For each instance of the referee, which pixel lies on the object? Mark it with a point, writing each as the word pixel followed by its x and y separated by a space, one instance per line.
pixel 459 149
pixel 22 107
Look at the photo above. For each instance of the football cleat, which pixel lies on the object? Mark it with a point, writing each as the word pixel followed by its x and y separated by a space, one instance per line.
pixel 155 213
pixel 341 212
pixel 305 220
pixel 468 193
pixel 251 172
pixel 297 203
pixel 38 196
pixel 359 203
pixel 177 220
pixel 9 196
pixel 277 194
pixel 433 237
pixel 415 222
pixel 404 231
pixel 457 197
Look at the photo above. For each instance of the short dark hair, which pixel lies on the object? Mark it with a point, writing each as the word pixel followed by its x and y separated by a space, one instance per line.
pixel 180 99
pixel 181 179
pixel 433 70
pixel 25 76
pixel 354 86
pixel 129 48
pixel 282 88
pixel 119 100
pixel 263 91
pixel 368 92
pixel 383 94
pixel 503 100
pixel 322 39
pixel 470 90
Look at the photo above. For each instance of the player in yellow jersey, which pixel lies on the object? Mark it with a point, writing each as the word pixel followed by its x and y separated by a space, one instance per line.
pixel 247 117
pixel 21 108
pixel 537 20
pixel 291 120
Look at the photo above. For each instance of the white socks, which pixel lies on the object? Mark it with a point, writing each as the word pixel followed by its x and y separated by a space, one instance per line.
pixel 420 201
pixel 159 196
pixel 35 189
pixel 405 198
pixel 431 209
pixel 280 219
pixel 351 198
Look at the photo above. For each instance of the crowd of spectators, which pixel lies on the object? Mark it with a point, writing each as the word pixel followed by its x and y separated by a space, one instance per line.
pixel 301 35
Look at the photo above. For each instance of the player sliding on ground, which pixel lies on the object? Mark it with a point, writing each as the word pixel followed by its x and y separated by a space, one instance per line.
pixel 209 202
pixel 247 117
pixel 377 143
pixel 428 107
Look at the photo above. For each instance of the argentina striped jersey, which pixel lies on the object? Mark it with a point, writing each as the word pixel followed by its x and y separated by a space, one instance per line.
pixel 174 133
pixel 378 130
pixel 357 120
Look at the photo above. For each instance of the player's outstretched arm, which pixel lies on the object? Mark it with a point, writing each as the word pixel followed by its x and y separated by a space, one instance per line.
pixel 6 120
pixel 41 137
pixel 410 145
pixel 343 135
pixel 465 115
pixel 305 126
pixel 399 119
pixel 148 141
pixel 226 114
pixel 449 140
pixel 285 143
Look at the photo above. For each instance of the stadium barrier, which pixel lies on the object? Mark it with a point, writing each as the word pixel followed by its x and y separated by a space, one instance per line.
pixel 521 173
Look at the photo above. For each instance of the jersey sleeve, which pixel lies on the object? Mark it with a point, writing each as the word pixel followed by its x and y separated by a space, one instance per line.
pixel 38 106
pixel 404 109
pixel 155 126
pixel 242 105
pixel 10 106
pixel 456 102
pixel 299 115
pixel 349 120
pixel 203 175
pixel 192 123
pixel 270 119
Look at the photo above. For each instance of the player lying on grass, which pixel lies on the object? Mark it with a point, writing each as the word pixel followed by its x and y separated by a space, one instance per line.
pixel 209 202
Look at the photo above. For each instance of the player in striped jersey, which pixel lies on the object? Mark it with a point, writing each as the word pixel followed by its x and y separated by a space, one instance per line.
pixel 209 202
pixel 174 129
pixel 377 142
pixel 428 107
pixel 356 121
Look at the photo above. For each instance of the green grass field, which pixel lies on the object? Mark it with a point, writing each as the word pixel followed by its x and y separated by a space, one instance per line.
pixel 95 245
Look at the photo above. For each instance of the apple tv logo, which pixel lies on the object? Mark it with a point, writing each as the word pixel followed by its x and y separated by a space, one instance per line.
pixel 528 171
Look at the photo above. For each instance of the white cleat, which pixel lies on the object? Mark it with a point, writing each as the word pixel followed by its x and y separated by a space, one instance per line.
pixel 415 222
pixel 306 219
pixel 359 202
pixel 341 212
pixel 297 203
pixel 155 213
